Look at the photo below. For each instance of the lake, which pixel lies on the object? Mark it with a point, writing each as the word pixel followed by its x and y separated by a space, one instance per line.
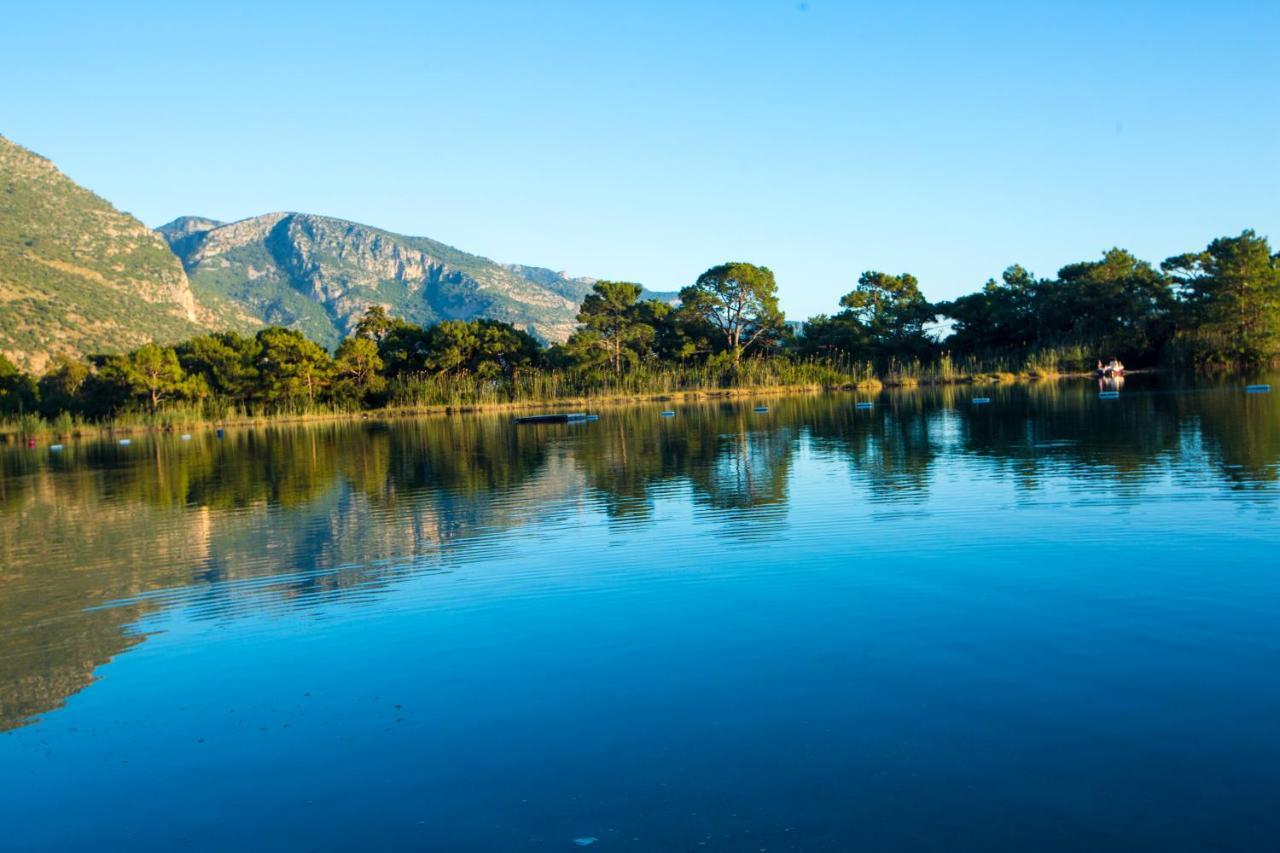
pixel 1050 621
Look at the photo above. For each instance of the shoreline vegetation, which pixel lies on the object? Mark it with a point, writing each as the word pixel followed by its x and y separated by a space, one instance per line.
pixel 177 418
pixel 725 336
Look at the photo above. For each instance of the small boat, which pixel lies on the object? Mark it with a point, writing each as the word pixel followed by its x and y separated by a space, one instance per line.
pixel 557 418
pixel 1112 369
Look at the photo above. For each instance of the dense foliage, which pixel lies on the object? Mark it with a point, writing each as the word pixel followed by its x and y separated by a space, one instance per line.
pixel 1220 306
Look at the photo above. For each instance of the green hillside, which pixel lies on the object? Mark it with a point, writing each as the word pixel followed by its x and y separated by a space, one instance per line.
pixel 77 275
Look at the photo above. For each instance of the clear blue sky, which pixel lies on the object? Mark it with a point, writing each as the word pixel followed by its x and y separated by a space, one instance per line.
pixel 647 141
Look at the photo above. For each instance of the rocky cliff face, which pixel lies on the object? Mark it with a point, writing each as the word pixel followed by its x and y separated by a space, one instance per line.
pixel 77 275
pixel 319 274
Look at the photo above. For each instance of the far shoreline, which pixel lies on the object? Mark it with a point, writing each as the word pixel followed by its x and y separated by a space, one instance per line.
pixel 130 424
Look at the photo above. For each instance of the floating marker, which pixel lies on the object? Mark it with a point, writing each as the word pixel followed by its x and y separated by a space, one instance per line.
pixel 55 447
pixel 761 409
pixel 666 414
pixel 1108 395
pixel 124 442
pixel 31 442
pixel 862 405
pixel 1258 389
pixel 186 436
pixel 219 432
pixel 981 401
pixel 593 417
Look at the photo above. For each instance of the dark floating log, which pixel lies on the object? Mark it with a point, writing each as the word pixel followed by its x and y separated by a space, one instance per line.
pixel 558 418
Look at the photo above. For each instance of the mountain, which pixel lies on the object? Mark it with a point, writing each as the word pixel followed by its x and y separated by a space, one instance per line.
pixel 79 276
pixel 319 274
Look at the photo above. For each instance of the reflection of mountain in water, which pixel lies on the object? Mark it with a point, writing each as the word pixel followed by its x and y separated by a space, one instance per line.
pixel 287 518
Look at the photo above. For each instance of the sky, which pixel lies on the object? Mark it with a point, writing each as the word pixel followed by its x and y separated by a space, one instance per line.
pixel 650 141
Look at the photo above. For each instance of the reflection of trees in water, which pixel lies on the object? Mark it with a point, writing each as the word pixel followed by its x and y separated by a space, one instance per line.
pixel 318 513
pixel 733 462
pixel 291 517
pixel 1241 434
pixel 731 457
pixel 889 449
pixel 1046 428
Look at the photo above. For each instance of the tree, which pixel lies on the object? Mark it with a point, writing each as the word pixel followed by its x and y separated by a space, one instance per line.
pixel 403 349
pixel 999 319
pixel 739 302
pixel 292 368
pixel 893 312
pixel 358 365
pixel 150 374
pixel 884 317
pixel 671 339
pixel 827 335
pixel 61 386
pixel 18 392
pixel 1231 297
pixel 487 348
pixel 1116 304
pixel 611 321
pixel 226 362
pixel 376 324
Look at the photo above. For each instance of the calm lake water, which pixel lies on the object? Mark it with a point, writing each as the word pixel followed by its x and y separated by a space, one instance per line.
pixel 1047 622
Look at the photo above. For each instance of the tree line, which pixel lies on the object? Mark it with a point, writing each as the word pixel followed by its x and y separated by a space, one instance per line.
pixel 1218 306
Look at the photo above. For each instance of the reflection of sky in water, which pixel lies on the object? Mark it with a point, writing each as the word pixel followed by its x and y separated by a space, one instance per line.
pixel 799 629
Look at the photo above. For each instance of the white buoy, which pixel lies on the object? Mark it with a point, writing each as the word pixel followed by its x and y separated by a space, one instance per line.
pixel 124 442
pixel 55 447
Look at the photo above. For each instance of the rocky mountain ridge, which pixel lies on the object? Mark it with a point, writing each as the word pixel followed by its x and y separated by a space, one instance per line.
pixel 319 274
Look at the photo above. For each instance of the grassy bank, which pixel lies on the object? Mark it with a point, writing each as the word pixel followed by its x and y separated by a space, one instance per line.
pixel 542 390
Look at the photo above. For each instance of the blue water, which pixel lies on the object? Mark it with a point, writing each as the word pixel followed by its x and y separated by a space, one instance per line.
pixel 1049 622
